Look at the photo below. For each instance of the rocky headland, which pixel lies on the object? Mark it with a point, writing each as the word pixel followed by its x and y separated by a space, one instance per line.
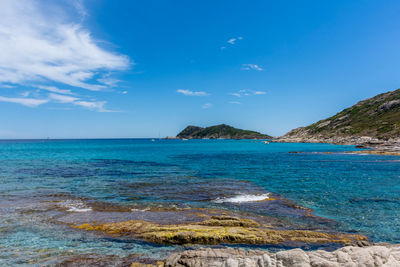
pixel 221 131
pixel 372 123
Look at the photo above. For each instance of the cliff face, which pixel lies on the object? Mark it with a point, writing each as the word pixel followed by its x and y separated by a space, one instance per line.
pixel 222 131
pixel 374 120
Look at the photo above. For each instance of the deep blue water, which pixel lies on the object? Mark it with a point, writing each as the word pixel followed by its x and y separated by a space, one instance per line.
pixel 360 192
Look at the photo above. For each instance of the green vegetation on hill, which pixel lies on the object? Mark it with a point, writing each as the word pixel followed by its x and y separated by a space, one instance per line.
pixel 377 117
pixel 222 131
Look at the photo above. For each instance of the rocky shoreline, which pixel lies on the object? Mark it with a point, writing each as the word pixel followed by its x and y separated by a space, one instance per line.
pixel 374 145
pixel 381 254
pixel 377 255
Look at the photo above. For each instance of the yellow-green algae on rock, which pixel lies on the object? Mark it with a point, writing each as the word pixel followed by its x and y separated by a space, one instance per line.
pixel 217 230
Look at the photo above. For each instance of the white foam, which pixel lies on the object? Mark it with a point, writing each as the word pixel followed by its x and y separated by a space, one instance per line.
pixel 75 209
pixel 243 198
pixel 76 206
pixel 142 210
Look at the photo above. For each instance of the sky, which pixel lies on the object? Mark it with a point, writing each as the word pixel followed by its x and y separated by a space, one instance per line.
pixel 133 69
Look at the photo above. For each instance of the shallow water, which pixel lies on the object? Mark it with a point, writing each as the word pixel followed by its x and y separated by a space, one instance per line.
pixel 47 182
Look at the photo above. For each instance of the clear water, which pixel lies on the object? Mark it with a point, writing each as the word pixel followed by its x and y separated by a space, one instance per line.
pixel 360 192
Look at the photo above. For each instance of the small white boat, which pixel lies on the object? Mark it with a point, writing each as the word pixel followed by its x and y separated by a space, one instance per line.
pixel 266 142
pixel 184 139
pixel 152 140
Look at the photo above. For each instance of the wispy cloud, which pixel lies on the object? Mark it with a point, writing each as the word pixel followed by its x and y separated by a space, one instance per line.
pixel 29 102
pixel 56 95
pixel 7 86
pixel 191 93
pixel 235 94
pixel 80 8
pixel 251 67
pixel 91 105
pixel 62 98
pixel 44 47
pixel 247 92
pixel 25 93
pixel 232 41
pixel 207 105
pixel 259 93
pixel 235 102
pixel 55 89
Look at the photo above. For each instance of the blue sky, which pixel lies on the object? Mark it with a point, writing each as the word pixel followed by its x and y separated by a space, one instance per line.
pixel 97 68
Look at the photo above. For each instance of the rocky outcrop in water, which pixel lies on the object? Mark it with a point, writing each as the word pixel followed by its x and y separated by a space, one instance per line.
pixel 380 255
pixel 218 230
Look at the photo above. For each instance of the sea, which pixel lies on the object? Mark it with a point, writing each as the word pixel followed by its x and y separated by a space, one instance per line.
pixel 47 185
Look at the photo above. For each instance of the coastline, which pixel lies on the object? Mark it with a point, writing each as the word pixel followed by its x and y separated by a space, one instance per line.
pixel 370 145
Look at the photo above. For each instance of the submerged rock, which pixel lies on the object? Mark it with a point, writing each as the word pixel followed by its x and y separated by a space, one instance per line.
pixel 217 230
pixel 347 256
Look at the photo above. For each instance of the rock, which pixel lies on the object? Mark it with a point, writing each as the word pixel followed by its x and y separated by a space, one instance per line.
pixel 378 255
pixel 217 230
pixel 295 258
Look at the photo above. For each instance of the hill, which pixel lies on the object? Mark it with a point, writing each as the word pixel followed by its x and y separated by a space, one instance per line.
pixel 374 120
pixel 221 131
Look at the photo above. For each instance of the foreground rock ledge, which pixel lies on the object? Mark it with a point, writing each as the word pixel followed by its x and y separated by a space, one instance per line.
pixel 380 255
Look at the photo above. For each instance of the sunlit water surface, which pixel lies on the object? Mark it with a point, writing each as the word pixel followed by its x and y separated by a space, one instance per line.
pixel 360 192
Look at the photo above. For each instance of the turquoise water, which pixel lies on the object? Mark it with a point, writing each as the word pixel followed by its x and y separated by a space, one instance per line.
pixel 361 193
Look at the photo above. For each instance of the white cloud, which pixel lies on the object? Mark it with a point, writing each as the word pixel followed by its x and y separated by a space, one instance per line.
pixel 191 93
pixel 62 98
pixel 235 102
pixel 124 92
pixel 232 41
pixel 251 67
pixel 235 94
pixel 80 8
pixel 247 92
pixel 45 46
pixel 56 96
pixel 207 105
pixel 111 82
pixel 55 89
pixel 91 105
pixel 259 93
pixel 25 93
pixel 6 86
pixel 29 102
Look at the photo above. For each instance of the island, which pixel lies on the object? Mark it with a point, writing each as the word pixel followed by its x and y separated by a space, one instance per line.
pixel 221 131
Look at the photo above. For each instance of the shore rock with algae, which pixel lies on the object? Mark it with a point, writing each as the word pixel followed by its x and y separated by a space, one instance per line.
pixel 217 230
